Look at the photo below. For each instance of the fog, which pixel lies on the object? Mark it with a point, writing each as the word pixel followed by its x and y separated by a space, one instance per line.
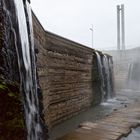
pixel 133 81
pixel 126 69
pixel 72 19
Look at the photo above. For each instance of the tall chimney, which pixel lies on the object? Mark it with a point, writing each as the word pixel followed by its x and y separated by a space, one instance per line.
pixel 118 28
pixel 123 27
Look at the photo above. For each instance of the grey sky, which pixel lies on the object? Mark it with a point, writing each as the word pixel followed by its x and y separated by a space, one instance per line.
pixel 73 18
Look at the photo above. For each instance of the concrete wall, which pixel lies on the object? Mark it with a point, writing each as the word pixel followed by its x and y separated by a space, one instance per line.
pixel 68 75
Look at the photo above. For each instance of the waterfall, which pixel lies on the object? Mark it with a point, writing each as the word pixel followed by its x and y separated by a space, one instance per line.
pixel 100 69
pixel 105 69
pixel 107 75
pixel 22 32
pixel 28 72
pixel 111 77
pixel 130 72
pixel 133 80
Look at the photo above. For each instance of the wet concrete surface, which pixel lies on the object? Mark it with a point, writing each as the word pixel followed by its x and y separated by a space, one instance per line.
pixel 134 135
pixel 123 99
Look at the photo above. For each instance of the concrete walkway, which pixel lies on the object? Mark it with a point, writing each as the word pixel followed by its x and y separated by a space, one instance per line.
pixel 112 127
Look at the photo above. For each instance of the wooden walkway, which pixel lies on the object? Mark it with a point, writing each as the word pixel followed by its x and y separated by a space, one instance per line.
pixel 112 127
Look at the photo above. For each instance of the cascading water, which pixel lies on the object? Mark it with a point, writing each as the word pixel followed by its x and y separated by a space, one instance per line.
pixel 24 44
pixel 110 62
pixel 130 72
pixel 100 68
pixel 133 80
pixel 107 74
pixel 28 72
pixel 105 68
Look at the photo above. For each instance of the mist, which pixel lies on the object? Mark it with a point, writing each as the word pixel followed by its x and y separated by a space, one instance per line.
pixel 126 69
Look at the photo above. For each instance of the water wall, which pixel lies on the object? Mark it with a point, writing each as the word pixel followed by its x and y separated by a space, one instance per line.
pixel 108 77
pixel 19 86
pixel 105 70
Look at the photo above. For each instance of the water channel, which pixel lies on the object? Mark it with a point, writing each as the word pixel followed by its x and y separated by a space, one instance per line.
pixel 95 113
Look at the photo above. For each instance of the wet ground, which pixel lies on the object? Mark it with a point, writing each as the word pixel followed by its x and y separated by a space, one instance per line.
pixel 122 100
pixel 134 135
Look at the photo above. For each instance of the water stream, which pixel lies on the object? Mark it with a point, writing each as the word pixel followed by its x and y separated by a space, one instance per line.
pixel 108 76
pixel 22 32
pixel 110 62
pixel 133 80
pixel 100 69
pixel 28 71
pixel 105 69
